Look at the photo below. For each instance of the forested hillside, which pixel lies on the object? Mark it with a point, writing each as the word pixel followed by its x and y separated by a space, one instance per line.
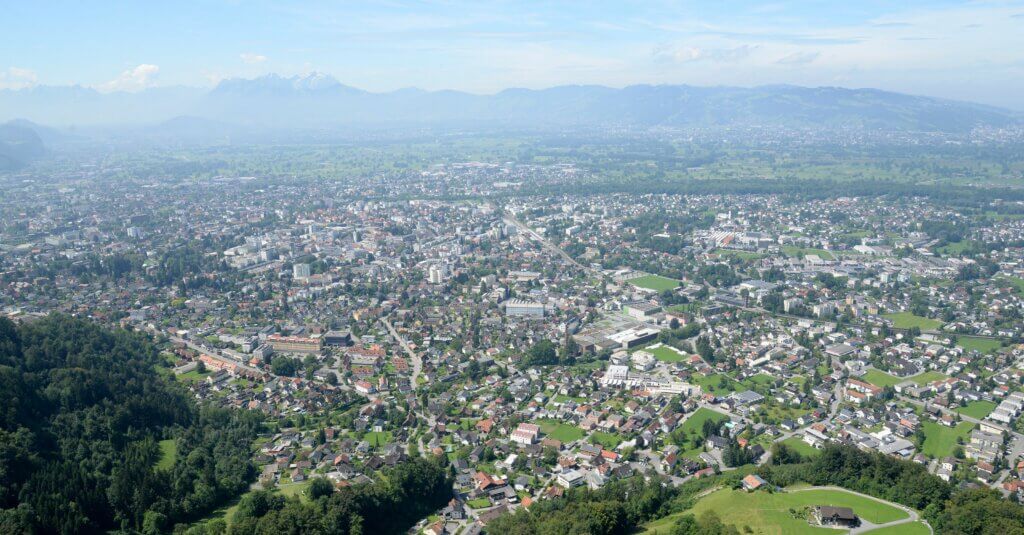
pixel 83 410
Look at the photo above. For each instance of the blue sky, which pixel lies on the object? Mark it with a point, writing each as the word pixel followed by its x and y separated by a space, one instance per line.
pixel 964 50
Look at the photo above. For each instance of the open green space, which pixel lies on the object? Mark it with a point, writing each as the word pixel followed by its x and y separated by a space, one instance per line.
pixel 479 503
pixel 716 383
pixel 666 354
pixel 695 423
pixel 743 255
pixel 193 376
pixel 607 440
pixel 940 441
pixel 792 250
pixel 560 431
pixel 378 438
pixel 769 513
pixel 907 320
pixel 561 398
pixel 977 343
pixel 655 282
pixel 168 454
pixel 1018 284
pixel 798 445
pixel 880 378
pixel 977 409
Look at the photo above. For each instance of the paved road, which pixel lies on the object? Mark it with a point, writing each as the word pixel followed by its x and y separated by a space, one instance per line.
pixel 417 361
pixel 508 219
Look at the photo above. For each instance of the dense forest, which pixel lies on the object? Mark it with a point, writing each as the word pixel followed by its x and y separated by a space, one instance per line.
pixel 84 409
pixel 393 503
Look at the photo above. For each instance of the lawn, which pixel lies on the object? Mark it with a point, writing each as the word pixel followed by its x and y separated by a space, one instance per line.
pixel 976 343
pixel 561 398
pixel 928 377
pixel 666 354
pixel 910 528
pixel 193 376
pixel 655 282
pixel 378 438
pixel 977 409
pixel 695 423
pixel 906 320
pixel 766 513
pixel 479 503
pixel 792 250
pixel 607 440
pixel 560 431
pixel 798 445
pixel 1018 284
pixel 743 255
pixel 168 454
pixel 714 383
pixel 939 440
pixel 880 378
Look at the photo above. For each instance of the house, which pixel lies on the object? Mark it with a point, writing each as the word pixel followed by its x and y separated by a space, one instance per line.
pixel 526 434
pixel 753 482
pixel 827 515
pixel 570 479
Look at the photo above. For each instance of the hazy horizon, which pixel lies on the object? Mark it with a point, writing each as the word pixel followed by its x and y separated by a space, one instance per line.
pixel 937 49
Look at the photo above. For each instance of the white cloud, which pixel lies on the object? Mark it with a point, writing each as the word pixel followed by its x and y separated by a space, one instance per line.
pixel 135 79
pixel 17 78
pixel 251 58
pixel 798 58
pixel 687 54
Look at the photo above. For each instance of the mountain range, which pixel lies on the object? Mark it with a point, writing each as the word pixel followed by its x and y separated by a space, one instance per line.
pixel 319 101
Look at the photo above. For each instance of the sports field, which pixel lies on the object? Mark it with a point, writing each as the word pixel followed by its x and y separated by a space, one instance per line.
pixel 655 282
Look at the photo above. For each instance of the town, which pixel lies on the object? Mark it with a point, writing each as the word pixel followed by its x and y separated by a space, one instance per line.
pixel 547 342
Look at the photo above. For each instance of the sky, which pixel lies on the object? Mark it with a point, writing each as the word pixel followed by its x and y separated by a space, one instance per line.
pixel 962 50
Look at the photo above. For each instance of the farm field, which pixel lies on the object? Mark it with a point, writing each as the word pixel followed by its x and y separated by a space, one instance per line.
pixel 906 320
pixel 560 431
pixel 940 441
pixel 765 513
pixel 655 282
pixel 977 409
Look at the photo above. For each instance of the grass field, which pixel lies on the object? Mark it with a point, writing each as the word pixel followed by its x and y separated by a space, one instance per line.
pixel 975 343
pixel 798 445
pixel 880 378
pixel 168 454
pixel 193 376
pixel 607 440
pixel 768 514
pixel 977 409
pixel 743 255
pixel 930 376
pixel 666 354
pixel 560 398
pixel 560 431
pixel 378 438
pixel 910 528
pixel 713 383
pixel 906 320
pixel 695 423
pixel 1018 284
pixel 655 282
pixel 479 503
pixel 940 440
pixel 792 250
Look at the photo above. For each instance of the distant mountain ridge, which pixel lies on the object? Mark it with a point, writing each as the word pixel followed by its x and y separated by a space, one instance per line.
pixel 317 101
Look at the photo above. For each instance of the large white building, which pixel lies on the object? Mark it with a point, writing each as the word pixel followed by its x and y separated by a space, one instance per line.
pixel 300 271
pixel 519 307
